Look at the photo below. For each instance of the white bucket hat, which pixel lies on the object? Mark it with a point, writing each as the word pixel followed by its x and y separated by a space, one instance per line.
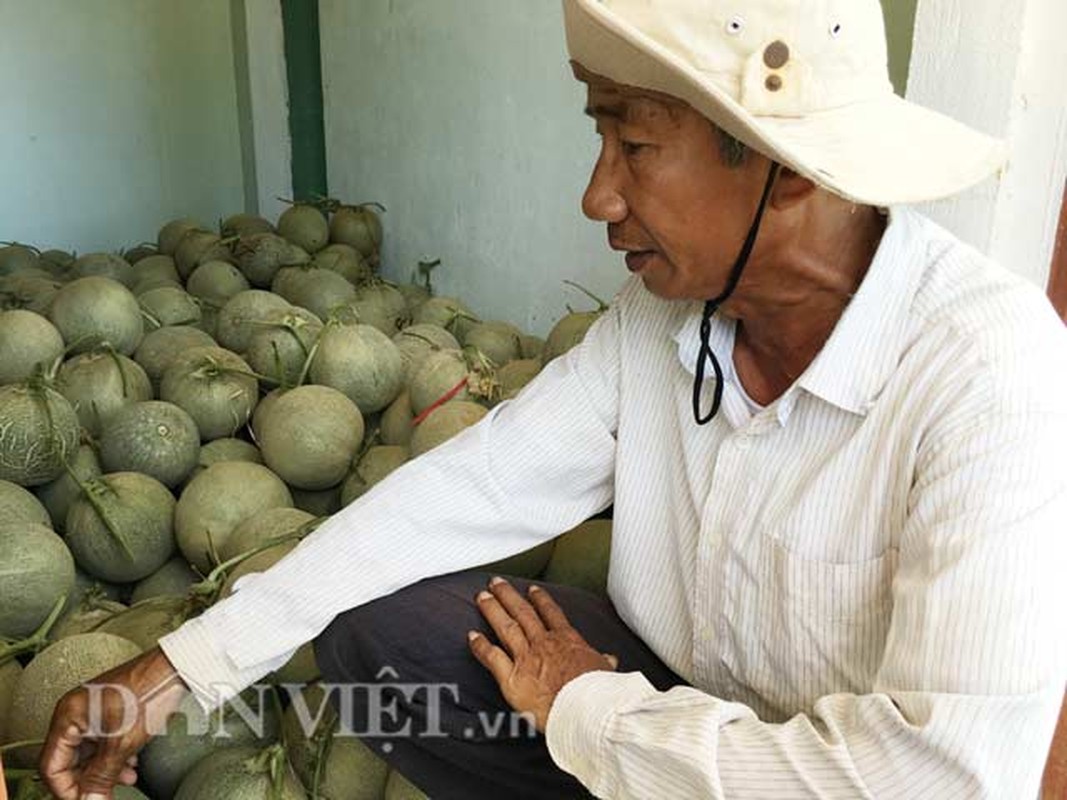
pixel 805 82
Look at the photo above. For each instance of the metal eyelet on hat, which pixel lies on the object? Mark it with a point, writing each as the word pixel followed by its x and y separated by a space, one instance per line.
pixel 736 25
pixel 835 30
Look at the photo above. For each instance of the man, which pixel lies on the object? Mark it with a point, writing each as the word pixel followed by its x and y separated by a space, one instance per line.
pixel 836 559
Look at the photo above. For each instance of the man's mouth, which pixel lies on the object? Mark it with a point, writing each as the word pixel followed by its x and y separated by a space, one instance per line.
pixel 637 260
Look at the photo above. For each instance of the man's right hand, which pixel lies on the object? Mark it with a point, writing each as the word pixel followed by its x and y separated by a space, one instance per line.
pixel 86 755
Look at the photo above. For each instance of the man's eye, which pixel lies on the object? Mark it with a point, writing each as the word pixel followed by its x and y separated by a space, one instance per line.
pixel 632 148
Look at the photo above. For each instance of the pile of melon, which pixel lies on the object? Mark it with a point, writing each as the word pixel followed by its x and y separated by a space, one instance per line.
pixel 179 415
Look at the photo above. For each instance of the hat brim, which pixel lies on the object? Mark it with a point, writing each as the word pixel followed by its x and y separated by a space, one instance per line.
pixel 884 151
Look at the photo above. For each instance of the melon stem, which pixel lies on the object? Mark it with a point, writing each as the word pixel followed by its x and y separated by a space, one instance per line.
pixel 38 639
pixel 602 305
pixel 19 745
pixel 94 491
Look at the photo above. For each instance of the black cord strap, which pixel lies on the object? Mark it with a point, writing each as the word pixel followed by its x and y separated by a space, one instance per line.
pixel 713 305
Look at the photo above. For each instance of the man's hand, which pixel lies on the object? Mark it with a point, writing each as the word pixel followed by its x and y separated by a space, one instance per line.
pixel 541 652
pixel 85 757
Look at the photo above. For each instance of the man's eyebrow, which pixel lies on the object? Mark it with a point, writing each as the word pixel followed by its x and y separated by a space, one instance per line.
pixel 619 111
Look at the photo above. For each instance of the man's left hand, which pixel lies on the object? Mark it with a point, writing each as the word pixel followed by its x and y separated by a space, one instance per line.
pixel 541 651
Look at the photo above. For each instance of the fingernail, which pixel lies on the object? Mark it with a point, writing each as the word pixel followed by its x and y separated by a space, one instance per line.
pixel 496 581
pixel 484 595
pixel 93 797
pixel 534 589
pixel 472 635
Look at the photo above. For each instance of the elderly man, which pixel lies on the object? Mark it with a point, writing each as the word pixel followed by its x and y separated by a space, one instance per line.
pixel 831 432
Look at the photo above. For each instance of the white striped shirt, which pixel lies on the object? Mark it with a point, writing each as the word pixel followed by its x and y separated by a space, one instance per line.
pixel 863 582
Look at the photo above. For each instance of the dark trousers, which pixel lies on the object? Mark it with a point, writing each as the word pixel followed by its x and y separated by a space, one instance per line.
pixel 475 749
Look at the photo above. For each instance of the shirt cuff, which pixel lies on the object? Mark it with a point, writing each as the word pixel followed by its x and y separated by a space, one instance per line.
pixel 579 716
pixel 204 666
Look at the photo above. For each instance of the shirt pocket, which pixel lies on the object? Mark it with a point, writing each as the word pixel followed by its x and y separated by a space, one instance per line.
pixel 797 628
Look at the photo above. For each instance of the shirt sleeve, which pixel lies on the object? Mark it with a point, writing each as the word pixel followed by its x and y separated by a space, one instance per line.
pixel 533 468
pixel 969 689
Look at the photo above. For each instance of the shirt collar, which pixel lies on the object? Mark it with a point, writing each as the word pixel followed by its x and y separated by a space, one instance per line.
pixel 856 362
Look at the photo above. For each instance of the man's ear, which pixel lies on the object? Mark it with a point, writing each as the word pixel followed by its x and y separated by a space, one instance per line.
pixel 791 189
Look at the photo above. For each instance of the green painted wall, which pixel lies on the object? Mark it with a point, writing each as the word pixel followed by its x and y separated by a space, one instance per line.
pixel 900 26
pixel 304 69
pixel 118 114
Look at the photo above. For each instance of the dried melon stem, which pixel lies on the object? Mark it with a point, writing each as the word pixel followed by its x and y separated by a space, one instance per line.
pixel 602 306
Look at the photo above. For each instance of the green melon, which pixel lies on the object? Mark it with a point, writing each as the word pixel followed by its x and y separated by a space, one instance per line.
pixel 28 343
pixel 171 234
pixel 396 425
pixel 568 333
pixel 121 529
pixel 342 766
pixel 281 346
pixel 228 450
pixel 581 557
pixel 417 342
pixel 241 773
pixel 16 257
pixel 168 306
pixel 172 579
pixel 37 569
pixel 133 255
pixel 92 311
pixel 379 304
pixel 443 423
pixel 301 669
pixel 192 735
pixel 57 495
pixel 56 670
pixel 515 375
pixel 9 677
pixel 532 346
pixel 198 247
pixel 260 562
pixel 85 585
pixel 160 347
pixel 359 227
pixel 100 384
pixel 501 342
pixel 146 285
pixel 372 468
pixel 397 787
pixel 361 362
pixel 528 564
pixel 346 261
pixel 219 499
pixel 40 432
pixel 310 436
pixel 215 387
pixel 304 226
pixel 242 316
pixel 244 225
pixel 320 291
pixel 324 503
pixel 18 505
pixel 261 255
pixel 148 621
pixel 262 527
pixel 156 267
pixel 217 281
pixel 28 293
pixel 438 376
pixel 156 438
pixel 104 265
pixel 414 296
pixel 87 617
pixel 448 313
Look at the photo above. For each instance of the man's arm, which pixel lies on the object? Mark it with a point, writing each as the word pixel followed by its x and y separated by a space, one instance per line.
pixel 968 692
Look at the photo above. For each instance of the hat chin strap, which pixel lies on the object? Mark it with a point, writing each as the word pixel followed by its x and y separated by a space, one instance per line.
pixel 713 305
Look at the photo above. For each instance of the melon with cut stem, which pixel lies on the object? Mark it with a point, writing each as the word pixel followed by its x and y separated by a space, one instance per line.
pixel 242 773
pixel 171 234
pixel 38 571
pixel 19 505
pixel 28 343
pixel 146 622
pixel 173 579
pixel 361 362
pixel 16 257
pixel 121 528
pixel 261 528
pixel 320 291
pixel 342 767
pixel 155 438
pixel 28 293
pixel 99 384
pixel 215 387
pixel 448 313
pixel 244 225
pixel 92 311
pixel 443 423
pixel 414 296
pixel 568 333
pixel 281 347
pixel 218 500
pixel 379 304
pixel 192 734
pixel 136 254
pixel 92 612
pixel 346 261
pixel 104 265
pixel 40 432
pixel 243 315
pixel 160 347
pixel 57 495
pixel 227 449
pixel 167 306
pixel 304 226
pixel 261 255
pixel 358 227
pixel 56 670
pixel 439 375
pixel 156 267
pixel 198 247
pixel 217 281
pixel 373 467
pixel 417 342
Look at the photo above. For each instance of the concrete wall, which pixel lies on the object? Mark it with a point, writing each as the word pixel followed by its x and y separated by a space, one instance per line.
pixel 462 118
pixel 118 114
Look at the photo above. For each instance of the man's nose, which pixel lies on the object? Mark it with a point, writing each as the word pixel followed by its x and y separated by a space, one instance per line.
pixel 603 201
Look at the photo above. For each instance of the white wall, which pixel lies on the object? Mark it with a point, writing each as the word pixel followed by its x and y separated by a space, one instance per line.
pixel 462 118
pixel 117 115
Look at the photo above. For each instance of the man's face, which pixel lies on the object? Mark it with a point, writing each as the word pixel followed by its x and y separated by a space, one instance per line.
pixel 680 214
